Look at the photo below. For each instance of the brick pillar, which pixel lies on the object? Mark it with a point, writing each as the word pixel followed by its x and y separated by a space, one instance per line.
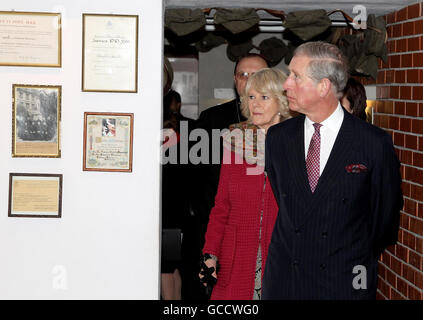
pixel 399 110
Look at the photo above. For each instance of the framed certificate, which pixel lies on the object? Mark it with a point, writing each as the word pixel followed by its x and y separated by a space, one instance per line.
pixel 109 53
pixel 108 141
pixel 32 39
pixel 35 195
pixel 36 121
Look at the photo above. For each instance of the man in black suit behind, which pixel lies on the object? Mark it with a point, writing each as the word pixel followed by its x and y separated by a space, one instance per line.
pixel 337 182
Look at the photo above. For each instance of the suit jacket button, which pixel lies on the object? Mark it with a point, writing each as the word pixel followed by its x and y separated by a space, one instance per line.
pixel 297 231
pixel 324 234
pixel 295 263
pixel 322 266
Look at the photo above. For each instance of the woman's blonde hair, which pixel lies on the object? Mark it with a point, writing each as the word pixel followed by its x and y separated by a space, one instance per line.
pixel 268 81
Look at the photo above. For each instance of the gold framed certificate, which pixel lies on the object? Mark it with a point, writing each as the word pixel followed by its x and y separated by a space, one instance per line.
pixel 36 121
pixel 35 195
pixel 108 140
pixel 32 39
pixel 110 53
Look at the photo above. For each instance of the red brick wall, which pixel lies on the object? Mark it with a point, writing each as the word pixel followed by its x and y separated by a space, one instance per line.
pixel 399 110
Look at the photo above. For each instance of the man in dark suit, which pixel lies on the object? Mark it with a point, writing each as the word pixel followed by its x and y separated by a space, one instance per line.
pixel 207 175
pixel 337 182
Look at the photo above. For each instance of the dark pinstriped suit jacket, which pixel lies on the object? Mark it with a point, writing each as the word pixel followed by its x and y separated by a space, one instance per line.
pixel 319 238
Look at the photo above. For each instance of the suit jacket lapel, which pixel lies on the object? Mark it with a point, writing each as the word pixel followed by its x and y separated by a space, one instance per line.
pixel 337 158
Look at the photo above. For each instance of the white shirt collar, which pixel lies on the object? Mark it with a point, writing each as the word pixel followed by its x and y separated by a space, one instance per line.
pixel 333 122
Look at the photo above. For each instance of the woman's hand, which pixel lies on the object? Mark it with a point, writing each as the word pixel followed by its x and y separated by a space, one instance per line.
pixel 210 263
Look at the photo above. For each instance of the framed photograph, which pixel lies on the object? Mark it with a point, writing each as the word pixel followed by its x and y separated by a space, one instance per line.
pixel 108 141
pixel 35 195
pixel 36 121
pixel 110 53
pixel 31 39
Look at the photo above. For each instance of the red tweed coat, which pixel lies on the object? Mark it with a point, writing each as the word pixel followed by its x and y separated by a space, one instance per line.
pixel 234 226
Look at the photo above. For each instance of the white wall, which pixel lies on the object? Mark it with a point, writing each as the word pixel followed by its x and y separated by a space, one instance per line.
pixel 107 241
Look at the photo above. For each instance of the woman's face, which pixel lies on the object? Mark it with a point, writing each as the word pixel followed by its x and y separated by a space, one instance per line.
pixel 264 109
pixel 346 104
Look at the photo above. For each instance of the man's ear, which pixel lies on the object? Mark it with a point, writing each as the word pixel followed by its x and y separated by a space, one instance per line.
pixel 324 87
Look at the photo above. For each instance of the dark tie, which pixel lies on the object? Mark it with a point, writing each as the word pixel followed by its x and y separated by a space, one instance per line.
pixel 313 158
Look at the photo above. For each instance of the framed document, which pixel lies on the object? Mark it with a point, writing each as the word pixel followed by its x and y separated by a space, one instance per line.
pixel 36 121
pixel 35 195
pixel 108 141
pixel 109 53
pixel 32 39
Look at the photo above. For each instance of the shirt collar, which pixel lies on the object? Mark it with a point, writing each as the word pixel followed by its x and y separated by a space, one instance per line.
pixel 333 122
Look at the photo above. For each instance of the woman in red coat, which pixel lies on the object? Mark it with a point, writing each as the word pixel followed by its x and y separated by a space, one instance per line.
pixel 241 222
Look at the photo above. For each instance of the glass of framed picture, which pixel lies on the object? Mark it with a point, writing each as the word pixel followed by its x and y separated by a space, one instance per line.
pixel 109 53
pixel 36 121
pixel 108 141
pixel 35 195
pixel 32 39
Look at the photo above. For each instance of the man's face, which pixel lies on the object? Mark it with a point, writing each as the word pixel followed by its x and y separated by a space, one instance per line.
pixel 301 90
pixel 246 67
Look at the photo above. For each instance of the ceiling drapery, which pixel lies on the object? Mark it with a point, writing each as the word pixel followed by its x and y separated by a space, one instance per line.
pixel 236 27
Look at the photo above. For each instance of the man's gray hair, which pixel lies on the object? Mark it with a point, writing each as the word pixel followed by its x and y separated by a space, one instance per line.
pixel 327 61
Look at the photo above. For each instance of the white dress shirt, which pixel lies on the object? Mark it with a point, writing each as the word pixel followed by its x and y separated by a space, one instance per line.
pixel 328 133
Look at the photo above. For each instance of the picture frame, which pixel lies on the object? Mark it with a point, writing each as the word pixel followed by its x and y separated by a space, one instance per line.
pixel 36 117
pixel 109 53
pixel 31 39
pixel 108 141
pixel 35 195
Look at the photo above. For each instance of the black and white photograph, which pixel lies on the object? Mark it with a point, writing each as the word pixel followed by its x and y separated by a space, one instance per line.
pixel 36 118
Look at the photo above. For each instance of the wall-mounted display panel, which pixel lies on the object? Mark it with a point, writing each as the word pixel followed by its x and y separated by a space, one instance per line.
pixel 110 53
pixel 108 141
pixel 33 195
pixel 36 121
pixel 30 39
